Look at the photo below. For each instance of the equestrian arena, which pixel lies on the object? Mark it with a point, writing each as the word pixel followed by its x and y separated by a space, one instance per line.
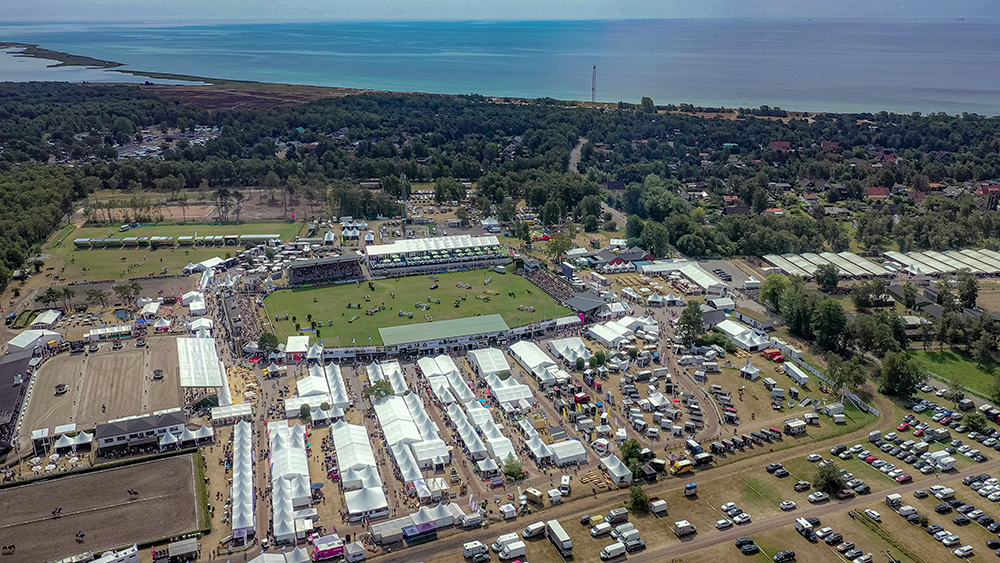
pixel 166 505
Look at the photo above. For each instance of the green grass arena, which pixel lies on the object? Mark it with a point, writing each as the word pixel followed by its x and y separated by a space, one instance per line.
pixel 329 303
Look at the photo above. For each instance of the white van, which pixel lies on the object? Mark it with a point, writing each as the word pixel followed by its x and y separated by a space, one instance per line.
pixel 564 484
pixel 474 548
pixel 536 529
pixel 503 540
pixel 600 529
pixel 628 536
pixel 612 551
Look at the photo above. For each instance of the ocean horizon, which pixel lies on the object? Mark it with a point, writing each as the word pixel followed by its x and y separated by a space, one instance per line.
pixel 800 65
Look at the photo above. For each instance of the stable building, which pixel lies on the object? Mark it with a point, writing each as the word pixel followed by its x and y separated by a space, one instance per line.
pixel 138 431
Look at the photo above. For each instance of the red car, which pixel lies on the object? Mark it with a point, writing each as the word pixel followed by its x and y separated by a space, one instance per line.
pixel 946 421
pixel 903 427
pixel 918 432
pixel 870 459
pixel 904 478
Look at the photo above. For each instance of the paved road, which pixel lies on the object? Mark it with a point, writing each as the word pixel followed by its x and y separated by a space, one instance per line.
pixel 574 155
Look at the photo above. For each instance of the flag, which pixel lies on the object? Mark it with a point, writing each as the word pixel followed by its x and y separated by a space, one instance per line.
pixel 353 340
pixel 369 339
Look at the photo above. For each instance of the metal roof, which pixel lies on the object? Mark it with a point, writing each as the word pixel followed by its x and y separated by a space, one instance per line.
pixel 469 326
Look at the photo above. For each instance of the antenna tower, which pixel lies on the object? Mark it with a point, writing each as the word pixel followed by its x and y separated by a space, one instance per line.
pixel 593 87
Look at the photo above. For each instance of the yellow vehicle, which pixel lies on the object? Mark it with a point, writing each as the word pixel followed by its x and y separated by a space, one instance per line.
pixel 681 467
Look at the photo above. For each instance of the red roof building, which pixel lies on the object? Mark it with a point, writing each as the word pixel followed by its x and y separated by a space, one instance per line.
pixel 878 194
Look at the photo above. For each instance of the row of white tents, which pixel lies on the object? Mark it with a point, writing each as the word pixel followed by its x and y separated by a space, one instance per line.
pixel 290 484
pixel 243 516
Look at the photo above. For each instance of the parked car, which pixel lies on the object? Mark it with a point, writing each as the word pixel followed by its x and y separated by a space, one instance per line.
pixel 818 497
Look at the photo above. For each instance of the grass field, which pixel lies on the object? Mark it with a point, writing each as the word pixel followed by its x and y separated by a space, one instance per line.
pixel 286 230
pixel 955 364
pixel 330 304
pixel 108 264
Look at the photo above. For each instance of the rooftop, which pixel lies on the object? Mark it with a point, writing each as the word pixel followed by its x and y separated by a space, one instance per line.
pixel 406 334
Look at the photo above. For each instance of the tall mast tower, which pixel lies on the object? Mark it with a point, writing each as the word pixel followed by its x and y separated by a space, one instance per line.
pixel 593 87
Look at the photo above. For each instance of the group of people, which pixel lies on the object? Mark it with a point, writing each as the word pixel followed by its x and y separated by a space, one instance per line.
pixel 552 285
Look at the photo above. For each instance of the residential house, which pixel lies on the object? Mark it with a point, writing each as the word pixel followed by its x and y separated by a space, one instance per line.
pixel 917 197
pixel 836 212
pixel 780 146
pixel 775 211
pixel 736 210
pixel 810 199
pixel 878 194
pixel 830 145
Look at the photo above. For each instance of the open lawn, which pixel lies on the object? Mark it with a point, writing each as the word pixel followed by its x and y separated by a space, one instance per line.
pixel 288 231
pixel 324 304
pixel 955 364
pixel 116 264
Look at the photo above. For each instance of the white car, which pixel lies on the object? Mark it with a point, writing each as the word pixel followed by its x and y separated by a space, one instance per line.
pixel 787 505
pixel 935 489
pixel 878 463
pixel 814 458
pixel 963 449
pixel 994 497
pixel 728 506
pixel 927 469
pixel 818 496
pixel 873 515
pixel 723 524
pixel 951 540
pixel 823 532
pixel 887 468
pixel 856 448
pixel 987 491
pixel 964 551
pixel 743 518
pixel 845 455
pixel 889 437
pixel 940 536
pixel 941 392
pixel 894 473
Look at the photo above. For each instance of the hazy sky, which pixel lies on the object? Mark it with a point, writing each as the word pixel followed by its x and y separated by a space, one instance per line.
pixel 193 11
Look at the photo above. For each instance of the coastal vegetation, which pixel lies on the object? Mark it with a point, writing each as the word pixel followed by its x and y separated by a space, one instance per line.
pixel 707 187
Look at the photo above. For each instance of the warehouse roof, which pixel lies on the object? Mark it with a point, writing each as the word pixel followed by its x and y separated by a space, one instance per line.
pixel 437 330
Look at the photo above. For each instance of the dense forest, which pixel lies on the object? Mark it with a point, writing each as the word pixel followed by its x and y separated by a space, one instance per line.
pixel 60 142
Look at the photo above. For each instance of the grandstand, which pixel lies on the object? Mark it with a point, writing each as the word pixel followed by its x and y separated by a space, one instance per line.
pixel 435 254
pixel 331 268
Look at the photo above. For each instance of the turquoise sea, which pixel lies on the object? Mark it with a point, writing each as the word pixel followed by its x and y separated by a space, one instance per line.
pixel 950 67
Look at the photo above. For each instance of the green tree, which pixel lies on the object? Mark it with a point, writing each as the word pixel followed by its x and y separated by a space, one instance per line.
pixel 927 334
pixel 638 500
pixel 305 412
pixel 462 214
pixel 647 105
pixel 580 364
pixel 976 421
pixel 909 295
pixel 522 231
pixel 633 353
pixel 655 238
pixel 267 343
pixel 772 289
pixel 968 289
pixel 378 390
pixel 850 375
pixel 128 292
pixel 512 468
pixel 601 357
pixel 633 227
pixel 448 189
pixel 982 350
pixel 901 375
pixel 95 296
pixel 558 246
pixel 956 391
pixel 590 224
pixel 630 450
pixel 829 479
pixel 691 324
pixel 829 324
pixel 827 277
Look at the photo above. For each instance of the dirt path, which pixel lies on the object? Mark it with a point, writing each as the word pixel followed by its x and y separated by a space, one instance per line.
pixel 574 155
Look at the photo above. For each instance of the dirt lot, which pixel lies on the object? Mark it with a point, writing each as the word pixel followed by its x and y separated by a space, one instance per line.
pixel 117 379
pixel 166 506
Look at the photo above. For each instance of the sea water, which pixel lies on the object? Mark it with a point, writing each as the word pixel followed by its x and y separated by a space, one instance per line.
pixel 948 67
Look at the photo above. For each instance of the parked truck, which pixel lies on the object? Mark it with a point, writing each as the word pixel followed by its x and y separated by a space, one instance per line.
pixel 658 506
pixel 512 550
pixel 559 538
pixel 683 528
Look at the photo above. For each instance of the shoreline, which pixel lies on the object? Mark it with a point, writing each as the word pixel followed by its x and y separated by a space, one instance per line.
pixel 31 50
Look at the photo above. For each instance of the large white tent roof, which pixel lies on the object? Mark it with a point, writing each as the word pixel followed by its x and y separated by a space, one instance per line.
pixel 365 500
pixel 199 364
pixel 529 355
pixel 489 360
pixel 421 245
pixel 354 450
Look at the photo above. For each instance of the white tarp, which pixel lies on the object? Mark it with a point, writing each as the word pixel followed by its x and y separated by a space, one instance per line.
pixel 199 364
pixel 618 471
pixel 243 517
pixel 567 452
pixel 488 361
pixel 354 450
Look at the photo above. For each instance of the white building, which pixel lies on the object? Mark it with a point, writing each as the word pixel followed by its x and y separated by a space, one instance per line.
pixel 568 452
pixel 46 319
pixel 488 361
pixel 31 339
pixel 743 336
pixel 570 349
